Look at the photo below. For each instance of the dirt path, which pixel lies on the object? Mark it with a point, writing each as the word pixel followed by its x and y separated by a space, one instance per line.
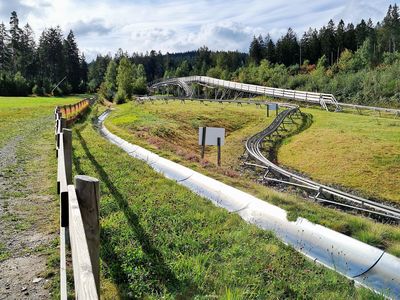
pixel 26 211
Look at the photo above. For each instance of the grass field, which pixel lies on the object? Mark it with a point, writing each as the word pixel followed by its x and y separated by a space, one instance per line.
pixel 355 151
pixel 18 113
pixel 138 124
pixel 159 240
pixel 28 206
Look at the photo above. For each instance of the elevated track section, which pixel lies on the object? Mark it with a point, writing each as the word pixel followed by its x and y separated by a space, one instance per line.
pixel 324 100
pixel 311 97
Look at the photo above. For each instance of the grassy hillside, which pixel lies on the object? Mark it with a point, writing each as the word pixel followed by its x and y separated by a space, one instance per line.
pixel 159 240
pixel 354 151
pixel 141 124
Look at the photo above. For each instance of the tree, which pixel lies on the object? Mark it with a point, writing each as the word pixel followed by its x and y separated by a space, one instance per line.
pixel 83 73
pixel 72 61
pixel 110 80
pixel 350 41
pixel 389 32
pixel 311 46
pixel 183 69
pixel 270 54
pixel 124 79
pixel 287 49
pixel 27 60
pixel 15 39
pixel 340 37
pixel 5 52
pixel 51 57
pixel 256 50
pixel 328 42
pixel 139 82
pixel 96 72
pixel 203 60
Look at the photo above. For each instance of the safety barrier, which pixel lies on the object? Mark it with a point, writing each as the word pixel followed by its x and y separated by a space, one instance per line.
pixel 79 211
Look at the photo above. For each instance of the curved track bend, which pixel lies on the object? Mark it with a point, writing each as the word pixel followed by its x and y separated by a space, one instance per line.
pixel 322 193
pixel 318 192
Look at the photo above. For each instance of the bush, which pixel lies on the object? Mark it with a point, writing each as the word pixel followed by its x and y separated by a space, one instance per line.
pixel 38 90
pixel 21 86
pixel 67 88
pixel 121 97
pixel 57 92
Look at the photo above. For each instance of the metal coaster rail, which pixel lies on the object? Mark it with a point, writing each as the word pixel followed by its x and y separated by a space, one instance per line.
pixel 319 192
pixel 322 193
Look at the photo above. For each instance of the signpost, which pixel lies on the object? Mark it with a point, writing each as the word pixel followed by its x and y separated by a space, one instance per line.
pixel 211 136
pixel 272 106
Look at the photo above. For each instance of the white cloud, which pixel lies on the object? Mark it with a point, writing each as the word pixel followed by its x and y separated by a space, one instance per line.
pixel 178 25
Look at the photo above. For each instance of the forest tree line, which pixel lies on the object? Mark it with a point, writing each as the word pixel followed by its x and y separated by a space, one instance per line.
pixel 30 68
pixel 358 63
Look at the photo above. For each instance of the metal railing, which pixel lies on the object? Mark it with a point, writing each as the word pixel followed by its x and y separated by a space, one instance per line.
pixel 322 99
pixel 311 97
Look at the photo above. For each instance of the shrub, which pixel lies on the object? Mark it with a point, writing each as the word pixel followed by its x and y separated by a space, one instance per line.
pixel 121 97
pixel 21 86
pixel 38 90
pixel 57 92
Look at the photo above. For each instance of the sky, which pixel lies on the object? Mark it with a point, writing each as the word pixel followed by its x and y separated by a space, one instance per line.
pixel 103 26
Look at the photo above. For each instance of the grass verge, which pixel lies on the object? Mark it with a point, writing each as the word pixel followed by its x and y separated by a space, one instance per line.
pixel 140 124
pixel 159 240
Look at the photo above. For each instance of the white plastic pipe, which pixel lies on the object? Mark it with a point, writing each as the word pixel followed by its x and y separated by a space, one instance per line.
pixel 367 265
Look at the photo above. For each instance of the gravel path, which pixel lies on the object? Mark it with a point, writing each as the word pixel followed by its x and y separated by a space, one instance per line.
pixel 23 203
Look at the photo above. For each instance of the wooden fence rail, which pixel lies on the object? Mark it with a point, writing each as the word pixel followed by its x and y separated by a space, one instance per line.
pixel 79 211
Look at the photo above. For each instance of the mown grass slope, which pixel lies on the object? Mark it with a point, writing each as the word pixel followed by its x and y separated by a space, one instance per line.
pixel 138 123
pixel 355 151
pixel 159 240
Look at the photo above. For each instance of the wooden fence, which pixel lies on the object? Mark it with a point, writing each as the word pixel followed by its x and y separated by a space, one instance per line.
pixel 73 112
pixel 79 211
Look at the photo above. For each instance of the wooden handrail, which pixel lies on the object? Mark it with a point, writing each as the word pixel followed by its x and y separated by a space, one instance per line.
pixel 85 285
pixel 73 216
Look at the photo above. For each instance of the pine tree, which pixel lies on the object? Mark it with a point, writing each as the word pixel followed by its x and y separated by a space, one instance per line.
pixel 5 52
pixel 256 51
pixel 27 61
pixel 15 40
pixel 51 57
pixel 269 49
pixel 124 80
pixel 72 63
pixel 84 69
pixel 111 80
pixel 287 49
pixel 340 38
pixel 350 38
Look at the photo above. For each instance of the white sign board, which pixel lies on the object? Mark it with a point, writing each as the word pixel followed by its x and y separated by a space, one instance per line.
pixel 211 136
pixel 273 106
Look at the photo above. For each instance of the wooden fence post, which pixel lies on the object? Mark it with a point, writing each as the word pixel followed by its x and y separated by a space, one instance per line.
pixel 88 194
pixel 61 124
pixel 67 140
